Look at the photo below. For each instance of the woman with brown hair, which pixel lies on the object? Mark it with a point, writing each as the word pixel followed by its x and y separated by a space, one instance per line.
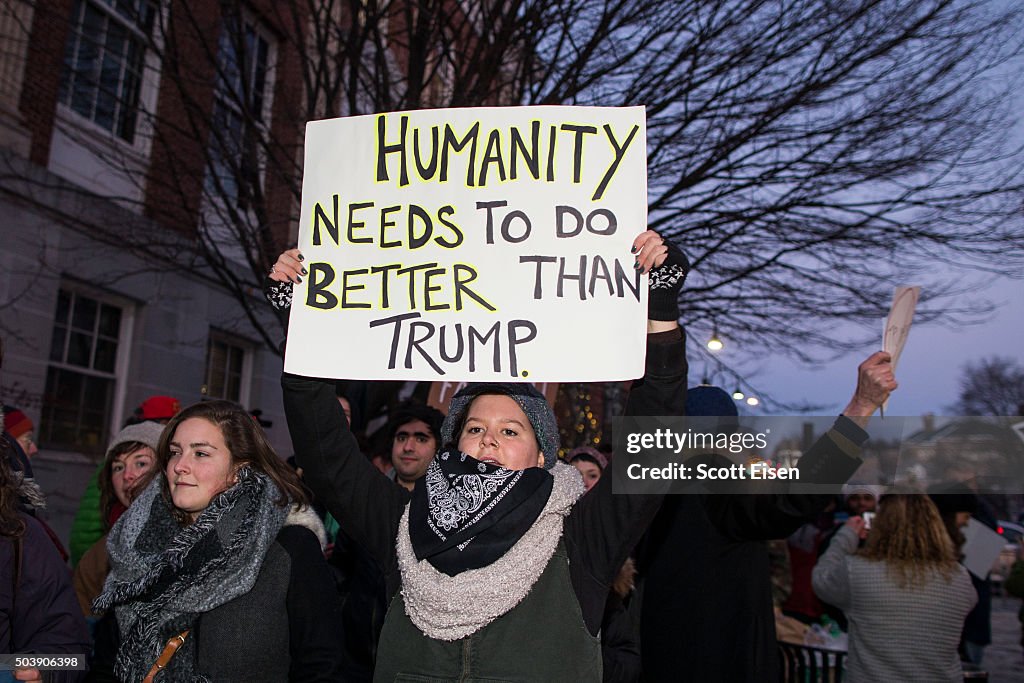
pixel 217 569
pixel 129 466
pixel 904 593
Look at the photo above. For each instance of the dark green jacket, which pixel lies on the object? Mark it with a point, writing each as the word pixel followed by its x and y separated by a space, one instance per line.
pixel 598 535
pixel 543 638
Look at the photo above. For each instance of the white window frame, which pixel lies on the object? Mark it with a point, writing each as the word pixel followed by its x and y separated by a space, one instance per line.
pixel 98 159
pixel 248 353
pixel 148 83
pixel 122 359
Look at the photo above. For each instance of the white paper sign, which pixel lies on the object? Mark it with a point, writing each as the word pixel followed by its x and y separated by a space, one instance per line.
pixel 981 549
pixel 897 325
pixel 473 244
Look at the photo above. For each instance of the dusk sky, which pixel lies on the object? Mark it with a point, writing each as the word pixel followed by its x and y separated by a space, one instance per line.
pixel 928 371
pixel 930 368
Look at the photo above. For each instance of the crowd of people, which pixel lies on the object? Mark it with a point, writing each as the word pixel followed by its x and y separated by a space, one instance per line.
pixel 469 550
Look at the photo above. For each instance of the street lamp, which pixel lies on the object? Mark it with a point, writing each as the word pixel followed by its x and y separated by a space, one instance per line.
pixel 737 394
pixel 715 344
pixel 752 401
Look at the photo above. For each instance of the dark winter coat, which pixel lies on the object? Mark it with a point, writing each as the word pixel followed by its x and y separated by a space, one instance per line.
pixel 289 617
pixel 40 615
pixel 598 534
pixel 707 611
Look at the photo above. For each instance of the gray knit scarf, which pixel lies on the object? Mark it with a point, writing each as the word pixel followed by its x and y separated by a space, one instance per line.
pixel 452 607
pixel 163 576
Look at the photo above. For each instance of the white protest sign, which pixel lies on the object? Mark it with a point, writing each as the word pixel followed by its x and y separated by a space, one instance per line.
pixel 981 548
pixel 473 244
pixel 897 325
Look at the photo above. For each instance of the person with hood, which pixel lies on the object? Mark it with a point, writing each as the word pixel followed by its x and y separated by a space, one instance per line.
pixel 707 612
pixel 497 567
pixel 957 503
pixel 620 632
pixel 217 571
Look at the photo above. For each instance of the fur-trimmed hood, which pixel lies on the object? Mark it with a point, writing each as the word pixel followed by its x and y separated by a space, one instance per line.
pixel 306 517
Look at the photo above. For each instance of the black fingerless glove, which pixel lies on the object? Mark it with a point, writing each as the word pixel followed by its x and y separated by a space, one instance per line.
pixel 279 294
pixel 666 281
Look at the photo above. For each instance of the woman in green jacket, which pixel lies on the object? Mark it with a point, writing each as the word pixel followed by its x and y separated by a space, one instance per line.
pixel 497 568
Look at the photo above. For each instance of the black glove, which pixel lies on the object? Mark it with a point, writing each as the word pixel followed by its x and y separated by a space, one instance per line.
pixel 666 281
pixel 279 294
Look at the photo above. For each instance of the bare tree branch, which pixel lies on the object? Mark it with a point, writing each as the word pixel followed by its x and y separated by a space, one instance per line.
pixel 808 155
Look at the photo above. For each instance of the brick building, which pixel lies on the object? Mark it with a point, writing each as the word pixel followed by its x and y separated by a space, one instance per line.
pixel 132 135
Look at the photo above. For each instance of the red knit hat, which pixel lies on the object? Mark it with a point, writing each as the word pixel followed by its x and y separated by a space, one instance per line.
pixel 17 423
pixel 160 408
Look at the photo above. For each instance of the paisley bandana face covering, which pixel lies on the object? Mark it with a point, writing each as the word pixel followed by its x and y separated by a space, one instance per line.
pixel 465 513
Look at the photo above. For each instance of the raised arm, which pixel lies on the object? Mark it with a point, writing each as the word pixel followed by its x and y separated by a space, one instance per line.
pixel 831 576
pixel 831 461
pixel 602 528
pixel 366 503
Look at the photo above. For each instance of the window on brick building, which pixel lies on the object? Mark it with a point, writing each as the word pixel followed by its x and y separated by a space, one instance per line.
pixel 240 109
pixel 226 372
pixel 81 377
pixel 104 60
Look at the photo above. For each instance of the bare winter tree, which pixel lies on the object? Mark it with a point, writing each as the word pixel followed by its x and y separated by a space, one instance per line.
pixel 807 154
pixel 991 386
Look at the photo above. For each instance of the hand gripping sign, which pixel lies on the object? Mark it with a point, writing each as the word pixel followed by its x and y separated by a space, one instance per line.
pixel 473 244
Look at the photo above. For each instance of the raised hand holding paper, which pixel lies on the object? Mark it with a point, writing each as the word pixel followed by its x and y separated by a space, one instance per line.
pixel 897 325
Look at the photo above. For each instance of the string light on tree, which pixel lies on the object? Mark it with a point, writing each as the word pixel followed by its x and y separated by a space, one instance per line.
pixel 715 343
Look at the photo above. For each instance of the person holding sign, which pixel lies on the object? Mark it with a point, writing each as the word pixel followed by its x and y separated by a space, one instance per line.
pixel 496 566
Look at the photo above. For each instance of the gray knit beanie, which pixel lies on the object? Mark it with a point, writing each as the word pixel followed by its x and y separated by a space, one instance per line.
pixel 533 403
pixel 143 432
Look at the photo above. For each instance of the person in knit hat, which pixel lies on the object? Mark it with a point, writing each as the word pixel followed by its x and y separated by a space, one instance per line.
pixel 159 409
pixel 590 462
pixel 858 499
pixel 19 426
pixel 90 522
pixel 495 548
pixel 130 456
pixel 127 468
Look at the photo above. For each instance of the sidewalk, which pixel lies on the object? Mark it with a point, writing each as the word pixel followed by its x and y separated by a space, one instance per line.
pixel 1004 659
